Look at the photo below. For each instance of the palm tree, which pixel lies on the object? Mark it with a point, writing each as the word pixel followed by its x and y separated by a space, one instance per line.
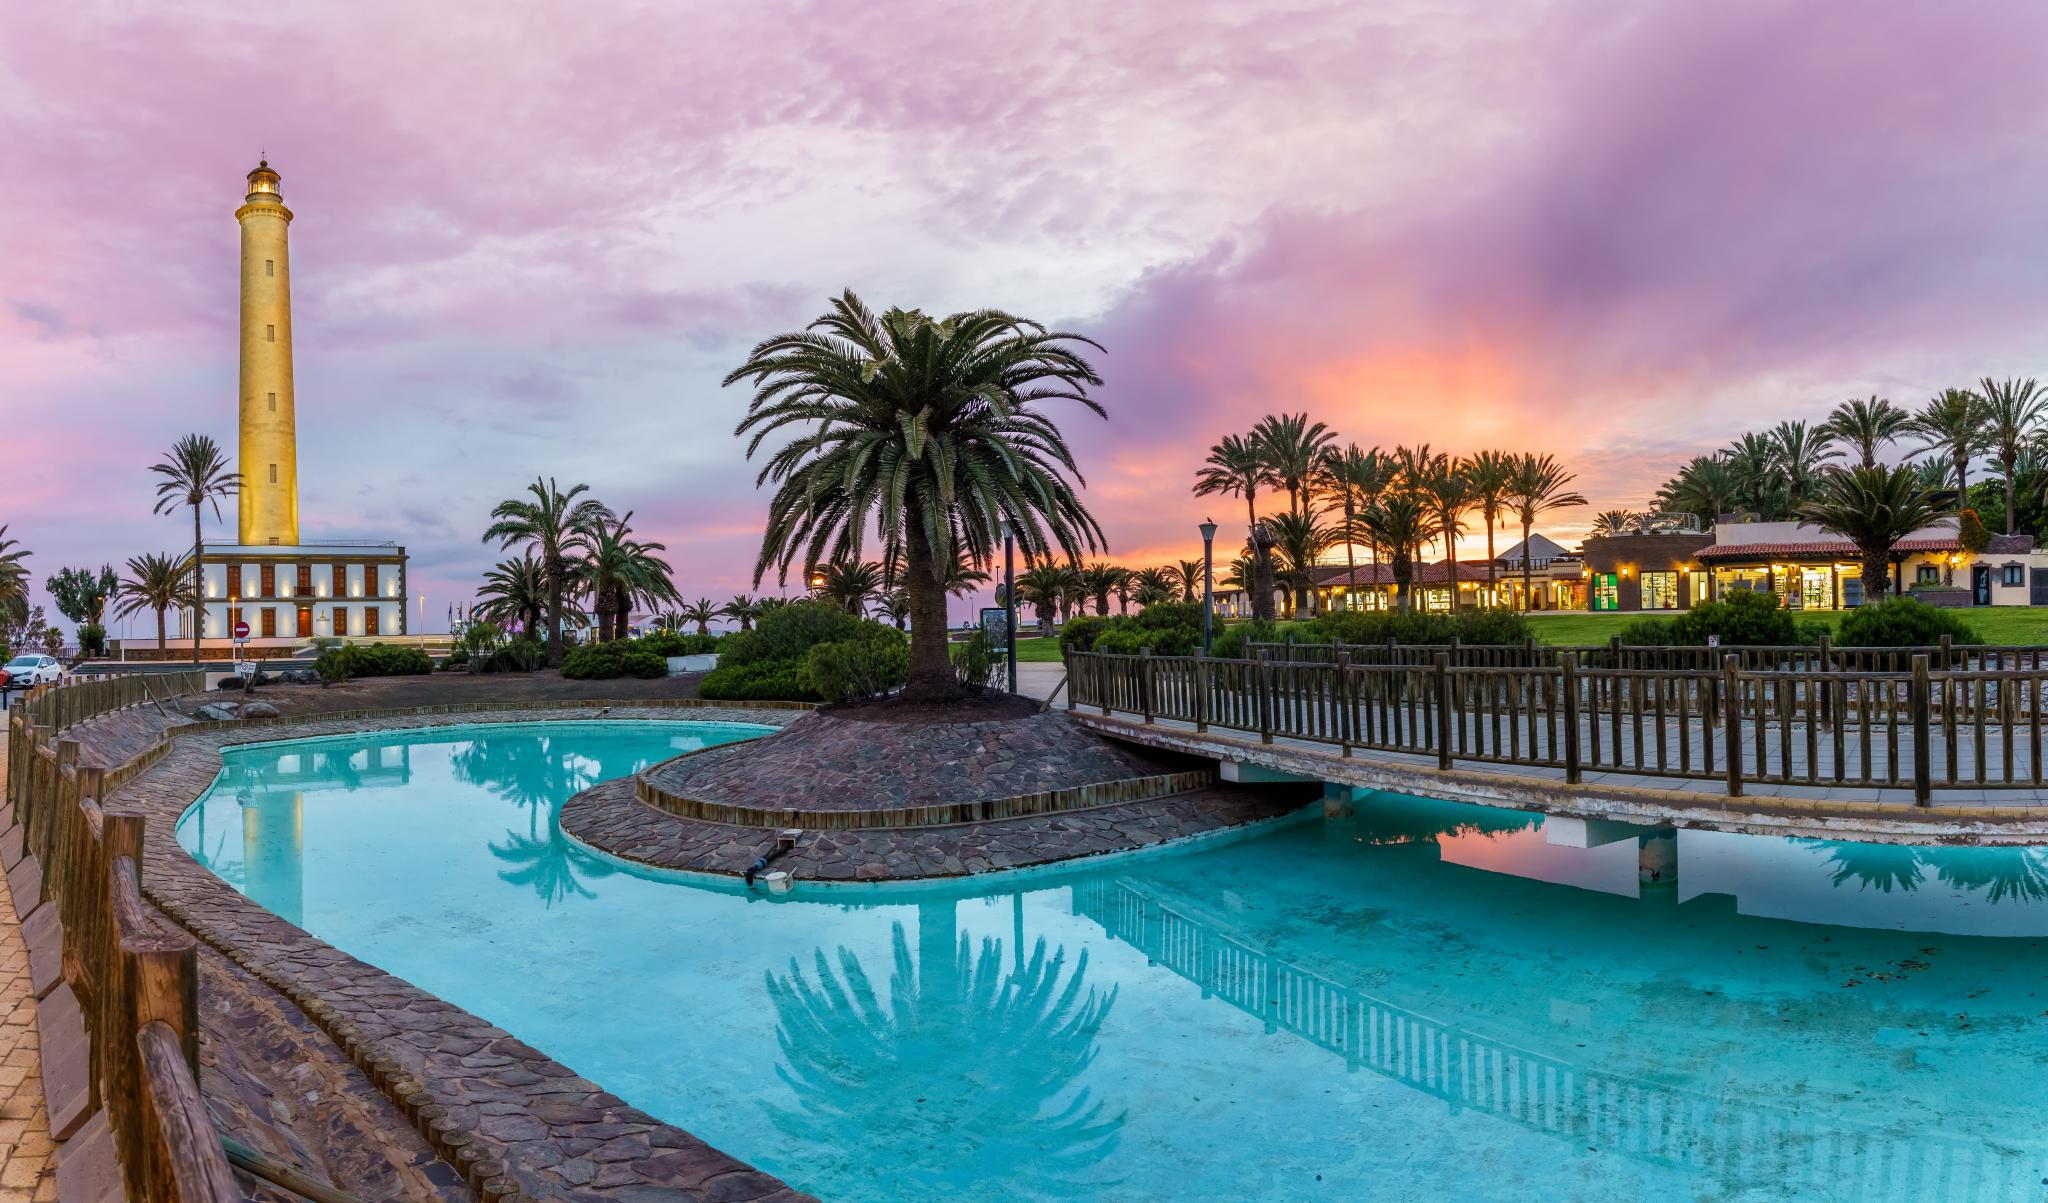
pixel 1538 488
pixel 1449 493
pixel 1952 423
pixel 195 473
pixel 514 592
pixel 13 580
pixel 1190 574
pixel 893 606
pixel 1101 580
pixel 1873 508
pixel 1613 522
pixel 1401 523
pixel 1042 586
pixel 742 610
pixel 155 582
pixel 1236 465
pixel 1707 487
pixel 1865 425
pixel 554 525
pixel 852 584
pixel 1802 454
pixel 1357 477
pixel 1301 541
pixel 2012 417
pixel 930 431
pixel 1150 586
pixel 703 612
pixel 1292 449
pixel 1491 474
pixel 620 572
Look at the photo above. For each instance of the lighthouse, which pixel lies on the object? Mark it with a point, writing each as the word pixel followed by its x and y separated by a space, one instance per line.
pixel 269 450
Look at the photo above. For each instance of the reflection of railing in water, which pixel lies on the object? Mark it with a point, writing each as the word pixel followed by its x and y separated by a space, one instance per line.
pixel 1658 1124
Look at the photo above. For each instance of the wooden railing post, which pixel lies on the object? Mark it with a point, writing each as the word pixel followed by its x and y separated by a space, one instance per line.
pixel 1443 710
pixel 1343 696
pixel 1614 651
pixel 1920 701
pixel 1731 718
pixel 1265 680
pixel 1201 690
pixel 1948 652
pixel 1570 664
pixel 1145 684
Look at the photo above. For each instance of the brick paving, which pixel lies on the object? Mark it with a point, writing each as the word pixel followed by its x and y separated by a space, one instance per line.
pixel 28 1158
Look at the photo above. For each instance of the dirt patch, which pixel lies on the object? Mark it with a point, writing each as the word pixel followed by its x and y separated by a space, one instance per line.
pixel 984 707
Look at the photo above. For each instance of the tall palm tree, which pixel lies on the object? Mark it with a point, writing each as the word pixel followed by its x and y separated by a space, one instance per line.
pixel 1707 486
pixel 1190 574
pixel 1865 425
pixel 195 473
pixel 1357 478
pixel 555 526
pixel 852 584
pixel 1539 488
pixel 514 593
pixel 930 431
pixel 1150 586
pixel 155 582
pixel 13 580
pixel 1237 466
pixel 1802 453
pixel 1292 448
pixel 1491 474
pixel 620 572
pixel 1760 486
pixel 1101 580
pixel 1401 522
pixel 703 612
pixel 1449 494
pixel 2012 420
pixel 1874 508
pixel 1301 541
pixel 742 610
pixel 1042 586
pixel 1613 522
pixel 1952 422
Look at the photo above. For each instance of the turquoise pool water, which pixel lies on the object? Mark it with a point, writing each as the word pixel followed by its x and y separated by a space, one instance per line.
pixel 1425 1001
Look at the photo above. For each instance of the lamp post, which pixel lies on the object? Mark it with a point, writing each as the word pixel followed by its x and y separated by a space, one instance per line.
pixel 1010 600
pixel 1208 529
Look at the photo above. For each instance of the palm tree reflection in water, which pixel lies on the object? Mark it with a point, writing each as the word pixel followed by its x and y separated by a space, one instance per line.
pixel 2002 874
pixel 990 1054
pixel 532 773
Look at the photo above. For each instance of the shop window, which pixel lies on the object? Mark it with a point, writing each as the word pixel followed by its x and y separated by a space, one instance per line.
pixel 1660 591
pixel 1606 591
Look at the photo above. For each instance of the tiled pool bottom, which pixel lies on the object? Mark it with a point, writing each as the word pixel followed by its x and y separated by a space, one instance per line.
pixel 1426 1001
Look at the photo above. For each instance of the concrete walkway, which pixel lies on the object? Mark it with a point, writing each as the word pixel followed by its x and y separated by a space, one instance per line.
pixel 28 1159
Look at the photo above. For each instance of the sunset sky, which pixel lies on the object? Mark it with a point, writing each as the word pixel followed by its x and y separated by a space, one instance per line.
pixel 532 238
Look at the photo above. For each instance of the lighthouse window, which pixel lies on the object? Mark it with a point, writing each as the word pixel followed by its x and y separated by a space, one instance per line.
pixel 273 474
pixel 270 334
pixel 270 267
pixel 272 399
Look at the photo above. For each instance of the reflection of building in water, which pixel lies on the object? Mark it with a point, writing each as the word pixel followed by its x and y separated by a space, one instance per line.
pixel 314 770
pixel 274 851
pixel 1474 1071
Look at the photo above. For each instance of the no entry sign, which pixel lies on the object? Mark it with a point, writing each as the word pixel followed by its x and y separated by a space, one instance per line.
pixel 241 630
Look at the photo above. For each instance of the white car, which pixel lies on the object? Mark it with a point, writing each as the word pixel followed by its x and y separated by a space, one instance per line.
pixel 31 668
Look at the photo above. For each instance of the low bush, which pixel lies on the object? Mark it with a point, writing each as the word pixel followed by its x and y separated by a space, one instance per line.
pixel 352 660
pixel 605 661
pixel 763 681
pixel 790 632
pixel 1646 632
pixel 1479 625
pixel 678 643
pixel 1231 642
pixel 854 670
pixel 1168 628
pixel 1903 622
pixel 1080 633
pixel 92 639
pixel 1743 619
pixel 523 654
pixel 976 663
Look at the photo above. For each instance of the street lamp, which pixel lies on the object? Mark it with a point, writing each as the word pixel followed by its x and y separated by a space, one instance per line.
pixel 1208 529
pixel 1010 600
pixel 817 581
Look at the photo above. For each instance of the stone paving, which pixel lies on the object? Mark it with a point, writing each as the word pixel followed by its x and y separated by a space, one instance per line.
pixel 511 1121
pixel 28 1158
pixel 609 818
pixel 823 762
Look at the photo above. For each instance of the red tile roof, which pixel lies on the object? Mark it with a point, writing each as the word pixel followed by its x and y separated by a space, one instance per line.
pixel 1840 549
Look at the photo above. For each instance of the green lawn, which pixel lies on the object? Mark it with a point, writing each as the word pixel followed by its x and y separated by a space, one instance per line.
pixel 1038 651
pixel 1994 624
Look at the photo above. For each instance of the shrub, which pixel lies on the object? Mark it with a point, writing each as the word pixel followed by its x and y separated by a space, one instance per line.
pixel 1080 633
pixel 1168 628
pixel 1230 642
pixel 976 663
pixel 1903 622
pixel 1378 626
pixel 1647 632
pixel 854 670
pixel 789 632
pixel 457 659
pixel 352 660
pixel 762 681
pixel 92 639
pixel 1491 625
pixel 605 661
pixel 1740 618
pixel 523 654
pixel 678 643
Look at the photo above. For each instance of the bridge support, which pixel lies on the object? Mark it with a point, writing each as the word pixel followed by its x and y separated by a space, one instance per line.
pixel 1337 800
pixel 1246 773
pixel 1564 831
pixel 1657 860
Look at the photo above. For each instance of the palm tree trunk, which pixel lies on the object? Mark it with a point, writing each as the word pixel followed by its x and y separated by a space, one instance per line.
pixel 1962 486
pixel 2011 522
pixel 1877 580
pixel 554 570
pixel 931 679
pixel 160 631
pixel 1528 601
pixel 1350 552
pixel 198 601
pixel 1492 587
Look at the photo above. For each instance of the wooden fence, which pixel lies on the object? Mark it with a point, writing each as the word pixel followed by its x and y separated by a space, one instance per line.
pixel 1809 722
pixel 136 980
pixel 1823 656
pixel 71 701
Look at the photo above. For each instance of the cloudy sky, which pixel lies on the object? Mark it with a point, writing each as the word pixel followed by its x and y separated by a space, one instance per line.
pixel 532 238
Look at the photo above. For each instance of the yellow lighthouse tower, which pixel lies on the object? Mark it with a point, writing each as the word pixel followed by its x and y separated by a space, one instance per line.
pixel 269 452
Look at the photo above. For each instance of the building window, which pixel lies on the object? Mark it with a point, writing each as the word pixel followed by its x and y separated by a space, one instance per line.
pixel 270 267
pixel 1660 591
pixel 269 581
pixel 273 474
pixel 1928 574
pixel 305 580
pixel 370 620
pixel 341 580
pixel 273 540
pixel 270 334
pixel 269 623
pixel 1606 592
pixel 271 400
pixel 2015 574
pixel 235 582
pixel 370 580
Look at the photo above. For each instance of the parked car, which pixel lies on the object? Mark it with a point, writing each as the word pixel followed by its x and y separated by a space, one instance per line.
pixel 32 668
